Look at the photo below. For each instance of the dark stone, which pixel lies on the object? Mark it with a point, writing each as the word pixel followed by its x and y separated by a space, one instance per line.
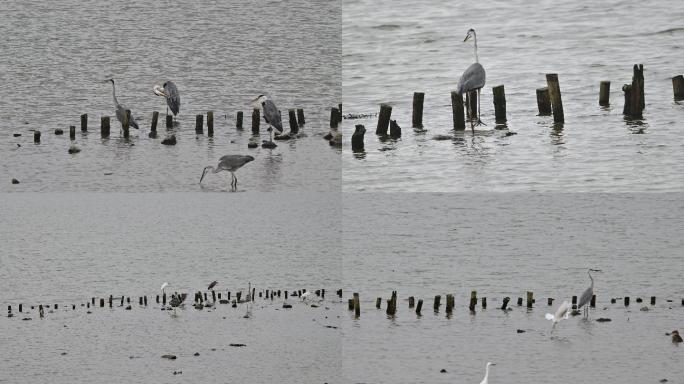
pixel 196 353
pixel 171 140
pixel 287 305
pixel 603 319
pixel 74 149
pixel 63 353
pixel 59 131
pixel 441 137
pixel 128 308
pixel 268 144
pixel 443 371
pixel 15 181
pixel 284 136
pixel 16 134
pixel 237 345
pixel 224 301
pixel 520 331
pixel 152 135
pixel 511 133
pixel 170 357
pixel 252 144
pixel 328 136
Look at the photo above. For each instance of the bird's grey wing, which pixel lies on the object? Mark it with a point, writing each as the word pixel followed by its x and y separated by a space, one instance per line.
pixel 121 113
pixel 586 296
pixel 172 97
pixel 473 78
pixel 272 116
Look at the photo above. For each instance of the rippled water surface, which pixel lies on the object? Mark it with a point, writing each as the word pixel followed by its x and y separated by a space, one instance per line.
pixel 392 49
pixel 427 244
pixel 221 55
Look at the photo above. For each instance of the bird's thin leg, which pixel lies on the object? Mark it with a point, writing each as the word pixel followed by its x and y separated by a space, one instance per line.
pixel 235 182
pixel 470 117
pixel 479 121
pixel 270 132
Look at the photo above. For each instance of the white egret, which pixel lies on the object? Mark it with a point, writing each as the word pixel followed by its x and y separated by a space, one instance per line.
pixel 485 380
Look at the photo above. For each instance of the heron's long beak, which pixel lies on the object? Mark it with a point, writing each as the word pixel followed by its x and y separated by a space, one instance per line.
pixel 159 91
pixel 204 172
pixel 464 40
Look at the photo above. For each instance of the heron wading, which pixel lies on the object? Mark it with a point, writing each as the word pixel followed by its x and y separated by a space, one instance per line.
pixel 230 163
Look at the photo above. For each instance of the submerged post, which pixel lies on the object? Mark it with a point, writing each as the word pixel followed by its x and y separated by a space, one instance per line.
pixel 125 124
pixel 555 95
pixel 436 303
pixel 104 126
pixel 417 117
pixel 36 136
pixel 255 121
pixel 300 117
pixel 412 301
pixel 334 121
pixel 238 120
pixel 210 123
pixel 473 301
pixel 530 299
pixel 357 305
pixel 72 132
pixel 457 111
pixel 543 101
pixel 84 122
pixel 678 87
pixel 292 116
pixel 155 119
pixel 357 138
pixel 627 108
pixel 499 104
pixel 383 119
pixel 604 94
pixel 199 124
pixel 505 302
pixel 637 92
pixel 169 121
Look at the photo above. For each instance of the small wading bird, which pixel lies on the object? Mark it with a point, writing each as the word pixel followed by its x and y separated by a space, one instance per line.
pixel 562 313
pixel 485 380
pixel 170 92
pixel 270 112
pixel 230 163
pixel 120 109
pixel 586 295
pixel 473 78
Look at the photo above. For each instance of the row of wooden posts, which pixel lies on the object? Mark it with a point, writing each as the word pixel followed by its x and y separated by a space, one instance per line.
pixel 354 303
pixel 549 102
pixel 296 120
pixel 199 298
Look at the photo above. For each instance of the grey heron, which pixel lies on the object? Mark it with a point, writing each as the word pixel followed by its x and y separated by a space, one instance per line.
pixel 473 79
pixel 586 296
pixel 485 380
pixel 230 163
pixel 212 285
pixel 120 109
pixel 271 114
pixel 170 92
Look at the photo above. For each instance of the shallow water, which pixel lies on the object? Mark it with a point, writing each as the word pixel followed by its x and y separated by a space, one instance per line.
pixel 221 56
pixel 391 50
pixel 427 244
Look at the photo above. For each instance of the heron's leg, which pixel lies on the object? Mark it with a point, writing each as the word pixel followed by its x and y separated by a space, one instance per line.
pixel 479 121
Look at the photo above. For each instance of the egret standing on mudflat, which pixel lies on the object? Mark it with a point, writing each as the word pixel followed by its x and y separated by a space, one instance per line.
pixel 230 163
pixel 270 112
pixel 586 296
pixel 120 109
pixel 170 92
pixel 473 78
pixel 485 380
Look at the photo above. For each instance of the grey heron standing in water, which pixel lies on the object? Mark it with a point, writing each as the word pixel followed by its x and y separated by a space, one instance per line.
pixel 586 296
pixel 270 112
pixel 170 92
pixel 473 79
pixel 230 163
pixel 120 109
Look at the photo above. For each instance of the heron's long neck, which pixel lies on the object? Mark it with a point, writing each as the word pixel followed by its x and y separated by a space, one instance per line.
pixel 486 374
pixel 592 280
pixel 114 93
pixel 475 40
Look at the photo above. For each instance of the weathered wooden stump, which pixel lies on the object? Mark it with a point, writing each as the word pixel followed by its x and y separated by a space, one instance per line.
pixel 604 94
pixel 72 132
pixel 357 138
pixel 419 306
pixel 199 124
pixel 555 96
pixel 238 120
pixel 255 121
pixel 543 101
pixel 530 299
pixel 292 116
pixel 417 117
pixel 499 104
pixel 395 129
pixel 210 123
pixel 334 119
pixel 104 126
pixel 169 121
pixel 125 124
pixel 436 304
pixel 36 136
pixel 383 119
pixel 505 303
pixel 678 87
pixel 357 306
pixel 84 122
pixel 155 120
pixel 457 111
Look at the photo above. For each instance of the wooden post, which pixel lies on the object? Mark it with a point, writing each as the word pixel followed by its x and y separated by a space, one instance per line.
pixel 457 111
pixel 199 124
pixel 604 94
pixel 334 121
pixel 653 300
pixel 420 306
pixel 637 92
pixel 484 303
pixel 101 302
pixel 626 301
pixel 111 299
pixel 36 137
pixel 169 121
pixel 339 112
pixel 449 303
pixel 678 87
pixel 378 302
pixel 300 117
pixel 627 109
pixel 436 303
pixel 357 138
pixel 322 293
pixel 122 300
pixel 155 119
pixel 210 123
pixel 350 304
pixel 505 302
pixel 339 293
pixel 395 129
pixel 471 99
pixel 574 300
pixel 520 301
pixel 417 118
pixel 104 126
pixel 357 305
pixel 543 101
pixel 412 301
pixel 473 301
pixel 383 119
pixel 238 121
pixel 292 116
pixel 555 96
pixel 126 123
pixel 213 295
pixel 530 298
pixel 592 302
pixel 84 122
pixel 72 132
pixel 499 104
pixel 549 301
pixel 163 299
pixel 255 121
